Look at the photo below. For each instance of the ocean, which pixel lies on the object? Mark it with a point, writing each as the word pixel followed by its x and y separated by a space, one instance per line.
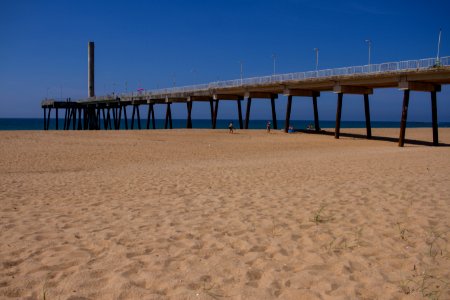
pixel 38 124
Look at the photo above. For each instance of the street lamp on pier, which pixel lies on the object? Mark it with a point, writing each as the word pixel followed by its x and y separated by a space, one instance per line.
pixel 369 44
pixel 317 57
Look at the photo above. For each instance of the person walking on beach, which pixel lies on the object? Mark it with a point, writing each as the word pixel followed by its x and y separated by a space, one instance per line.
pixel 268 126
pixel 231 127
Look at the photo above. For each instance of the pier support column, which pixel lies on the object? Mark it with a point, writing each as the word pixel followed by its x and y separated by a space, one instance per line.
pixel 118 115
pixel 125 117
pixel 119 119
pixel 80 124
pixel 132 117
pixel 211 106
pixel 168 121
pixel 401 140
pixel 247 112
pixel 114 117
pixel 434 118
pixel 105 121
pixel 93 119
pixel 189 113
pixel 274 113
pixel 56 118
pixel 316 113
pixel 69 118
pixel 241 125
pixel 65 119
pixel 216 110
pixel 108 118
pixel 85 118
pixel 153 117
pixel 138 116
pixel 48 118
pixel 288 114
pixel 45 118
pixel 338 116
pixel 117 125
pixel 74 118
pixel 367 112
pixel 150 115
pixel 170 116
pixel 97 119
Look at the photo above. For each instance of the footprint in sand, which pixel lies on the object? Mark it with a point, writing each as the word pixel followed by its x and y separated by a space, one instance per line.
pixel 254 275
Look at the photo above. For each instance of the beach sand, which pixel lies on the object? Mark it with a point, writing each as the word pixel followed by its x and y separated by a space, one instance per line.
pixel 202 214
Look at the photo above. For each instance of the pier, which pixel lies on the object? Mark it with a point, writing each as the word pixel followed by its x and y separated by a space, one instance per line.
pixel 107 112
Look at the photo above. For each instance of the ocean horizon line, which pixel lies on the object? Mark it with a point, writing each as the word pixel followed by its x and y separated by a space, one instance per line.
pixel 38 124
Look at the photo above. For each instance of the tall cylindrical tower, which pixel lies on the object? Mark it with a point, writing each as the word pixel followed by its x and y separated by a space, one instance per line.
pixel 91 89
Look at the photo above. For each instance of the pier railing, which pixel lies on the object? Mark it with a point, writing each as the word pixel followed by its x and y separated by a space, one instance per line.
pixel 407 65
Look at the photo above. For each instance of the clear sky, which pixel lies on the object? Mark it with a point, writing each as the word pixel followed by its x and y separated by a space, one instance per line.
pixel 150 44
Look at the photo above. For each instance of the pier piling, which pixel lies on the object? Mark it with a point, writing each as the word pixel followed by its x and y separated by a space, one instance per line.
pixel 288 114
pixel 434 118
pixel 338 115
pixel 316 113
pixel 401 140
pixel 247 112
pixel 367 113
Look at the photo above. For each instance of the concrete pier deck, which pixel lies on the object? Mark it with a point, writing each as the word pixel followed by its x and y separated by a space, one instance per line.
pixel 424 75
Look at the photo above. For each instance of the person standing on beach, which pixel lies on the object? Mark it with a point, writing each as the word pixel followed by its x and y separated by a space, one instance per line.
pixel 268 126
pixel 231 127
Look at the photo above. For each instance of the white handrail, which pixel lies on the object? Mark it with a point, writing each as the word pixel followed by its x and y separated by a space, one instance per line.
pixel 365 69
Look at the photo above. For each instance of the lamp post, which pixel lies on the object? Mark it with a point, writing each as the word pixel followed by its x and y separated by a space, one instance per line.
pixel 241 63
pixel 369 44
pixel 274 57
pixel 439 47
pixel 317 57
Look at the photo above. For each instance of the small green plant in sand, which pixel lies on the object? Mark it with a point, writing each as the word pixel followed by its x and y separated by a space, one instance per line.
pixel 437 242
pixel 211 289
pixel 319 216
pixel 342 243
pixel 427 285
pixel 402 231
pixel 44 289
pixel 275 230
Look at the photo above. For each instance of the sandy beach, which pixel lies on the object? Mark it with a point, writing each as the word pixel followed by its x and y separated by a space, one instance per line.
pixel 202 214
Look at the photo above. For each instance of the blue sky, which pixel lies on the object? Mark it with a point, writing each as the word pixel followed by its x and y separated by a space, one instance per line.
pixel 150 44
